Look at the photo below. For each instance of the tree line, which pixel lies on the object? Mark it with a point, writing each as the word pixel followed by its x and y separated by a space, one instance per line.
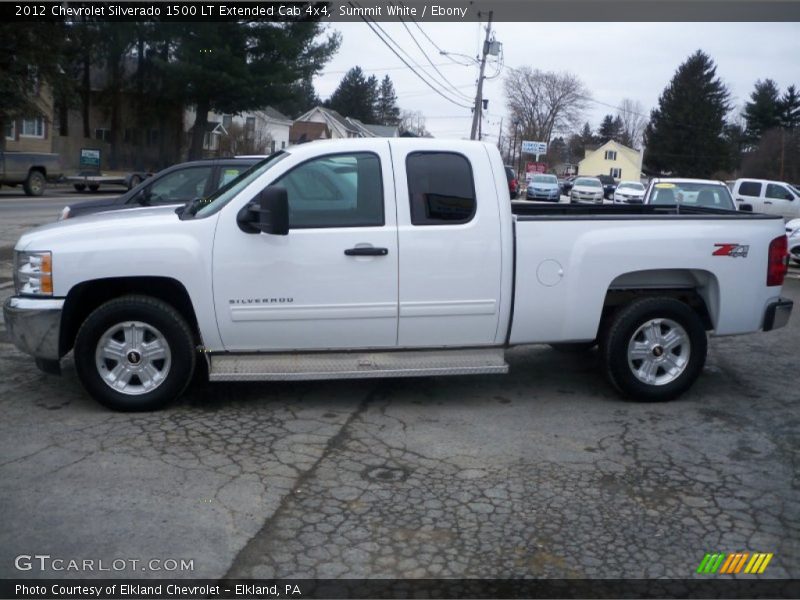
pixel 694 131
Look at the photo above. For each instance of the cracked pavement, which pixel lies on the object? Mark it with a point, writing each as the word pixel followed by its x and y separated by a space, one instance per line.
pixel 544 472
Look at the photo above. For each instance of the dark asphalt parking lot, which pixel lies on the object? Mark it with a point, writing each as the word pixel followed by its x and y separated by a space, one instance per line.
pixel 544 472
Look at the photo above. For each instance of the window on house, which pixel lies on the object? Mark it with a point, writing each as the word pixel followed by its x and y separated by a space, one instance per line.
pixel 440 188
pixel 272 147
pixel 283 145
pixel 227 121
pixel 616 172
pixel 611 155
pixel 11 130
pixel 32 128
pixel 102 134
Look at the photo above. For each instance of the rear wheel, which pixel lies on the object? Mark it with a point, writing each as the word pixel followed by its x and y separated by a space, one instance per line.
pixel 134 181
pixel 135 353
pixel 79 187
pixel 34 184
pixel 93 187
pixel 654 349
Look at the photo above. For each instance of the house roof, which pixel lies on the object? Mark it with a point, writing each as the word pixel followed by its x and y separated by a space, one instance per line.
pixel 275 114
pixel 633 156
pixel 377 130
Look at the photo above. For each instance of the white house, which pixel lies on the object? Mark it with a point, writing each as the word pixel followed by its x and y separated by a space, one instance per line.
pixel 346 127
pixel 251 132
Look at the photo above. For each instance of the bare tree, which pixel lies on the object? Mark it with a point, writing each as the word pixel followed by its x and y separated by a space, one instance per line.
pixel 413 122
pixel 544 103
pixel 634 122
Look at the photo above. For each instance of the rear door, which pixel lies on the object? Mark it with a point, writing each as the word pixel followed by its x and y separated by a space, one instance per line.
pixel 450 247
pixel 749 192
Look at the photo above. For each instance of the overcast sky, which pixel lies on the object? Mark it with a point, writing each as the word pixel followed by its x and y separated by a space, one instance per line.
pixel 614 61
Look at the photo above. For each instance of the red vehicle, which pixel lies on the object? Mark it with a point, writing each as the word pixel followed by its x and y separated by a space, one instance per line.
pixel 513 184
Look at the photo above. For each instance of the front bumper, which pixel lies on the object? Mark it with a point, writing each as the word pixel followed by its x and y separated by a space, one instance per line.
pixel 777 314
pixel 33 325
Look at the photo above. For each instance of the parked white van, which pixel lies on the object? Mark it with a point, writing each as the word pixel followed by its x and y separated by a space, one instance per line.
pixel 768 197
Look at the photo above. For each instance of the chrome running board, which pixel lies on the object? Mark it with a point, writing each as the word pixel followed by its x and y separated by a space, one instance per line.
pixel 355 365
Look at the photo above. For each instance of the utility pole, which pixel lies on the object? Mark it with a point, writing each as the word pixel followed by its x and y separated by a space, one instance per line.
pixel 476 111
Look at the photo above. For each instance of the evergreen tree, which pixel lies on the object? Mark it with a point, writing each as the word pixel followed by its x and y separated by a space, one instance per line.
pixel 610 129
pixel 685 133
pixel 386 109
pixel 763 112
pixel 303 98
pixel 790 108
pixel 356 96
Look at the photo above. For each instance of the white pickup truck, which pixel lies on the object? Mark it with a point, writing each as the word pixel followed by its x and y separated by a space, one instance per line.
pixel 386 258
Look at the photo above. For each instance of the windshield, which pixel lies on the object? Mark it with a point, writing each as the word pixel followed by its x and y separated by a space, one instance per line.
pixel 710 194
pixel 588 182
pixel 630 186
pixel 544 179
pixel 794 188
pixel 226 193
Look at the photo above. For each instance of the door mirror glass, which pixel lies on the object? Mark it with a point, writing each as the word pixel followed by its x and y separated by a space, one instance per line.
pixel 268 213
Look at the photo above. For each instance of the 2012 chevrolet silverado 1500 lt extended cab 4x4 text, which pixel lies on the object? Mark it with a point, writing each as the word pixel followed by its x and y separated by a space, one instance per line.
pixel 385 258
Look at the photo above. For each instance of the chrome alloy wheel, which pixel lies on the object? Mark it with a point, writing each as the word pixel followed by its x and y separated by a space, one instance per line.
pixel 658 352
pixel 133 358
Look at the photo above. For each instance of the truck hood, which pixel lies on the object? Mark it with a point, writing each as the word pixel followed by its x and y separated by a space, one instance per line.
pixel 98 226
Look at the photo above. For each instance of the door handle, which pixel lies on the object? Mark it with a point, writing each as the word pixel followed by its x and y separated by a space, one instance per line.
pixel 767 202
pixel 366 251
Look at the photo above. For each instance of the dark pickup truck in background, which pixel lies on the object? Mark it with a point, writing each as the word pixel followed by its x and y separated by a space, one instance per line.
pixel 31 169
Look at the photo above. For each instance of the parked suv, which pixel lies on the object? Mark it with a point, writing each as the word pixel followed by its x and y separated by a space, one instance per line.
pixel 769 197
pixel 174 185
pixel 609 185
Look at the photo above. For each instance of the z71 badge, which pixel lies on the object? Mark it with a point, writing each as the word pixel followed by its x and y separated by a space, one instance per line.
pixel 733 250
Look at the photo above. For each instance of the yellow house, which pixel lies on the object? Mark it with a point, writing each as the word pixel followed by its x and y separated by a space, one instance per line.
pixel 612 158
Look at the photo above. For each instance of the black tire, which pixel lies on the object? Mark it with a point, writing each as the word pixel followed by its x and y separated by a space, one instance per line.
pixel 574 347
pixel 153 313
pixel 79 187
pixel 661 313
pixel 34 184
pixel 134 181
pixel 93 187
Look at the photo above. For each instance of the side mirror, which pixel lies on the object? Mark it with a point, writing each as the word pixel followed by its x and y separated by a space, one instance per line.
pixel 144 196
pixel 746 207
pixel 269 213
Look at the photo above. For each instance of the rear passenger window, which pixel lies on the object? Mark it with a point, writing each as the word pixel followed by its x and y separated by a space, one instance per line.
pixel 440 188
pixel 750 188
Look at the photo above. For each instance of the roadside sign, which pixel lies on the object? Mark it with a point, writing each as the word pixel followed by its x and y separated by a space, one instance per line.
pixel 90 158
pixel 529 147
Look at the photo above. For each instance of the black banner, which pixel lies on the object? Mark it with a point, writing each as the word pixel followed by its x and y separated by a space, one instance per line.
pixel 422 11
pixel 712 587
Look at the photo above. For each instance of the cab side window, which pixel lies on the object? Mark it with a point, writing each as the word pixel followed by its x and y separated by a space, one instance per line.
pixel 337 190
pixel 750 188
pixel 180 186
pixel 441 188
pixel 778 192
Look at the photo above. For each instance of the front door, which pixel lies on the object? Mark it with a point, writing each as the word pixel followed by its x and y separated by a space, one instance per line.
pixel 332 282
pixel 778 200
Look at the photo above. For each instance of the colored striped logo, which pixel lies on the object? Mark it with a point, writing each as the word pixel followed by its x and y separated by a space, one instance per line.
pixel 732 564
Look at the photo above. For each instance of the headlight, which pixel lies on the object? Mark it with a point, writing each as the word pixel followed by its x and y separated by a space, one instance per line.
pixel 64 213
pixel 33 273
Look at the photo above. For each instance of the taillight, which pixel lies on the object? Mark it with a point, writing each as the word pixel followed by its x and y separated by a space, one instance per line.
pixel 778 262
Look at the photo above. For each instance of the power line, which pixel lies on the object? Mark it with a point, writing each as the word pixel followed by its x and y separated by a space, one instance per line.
pixel 388 45
pixel 381 69
pixel 425 54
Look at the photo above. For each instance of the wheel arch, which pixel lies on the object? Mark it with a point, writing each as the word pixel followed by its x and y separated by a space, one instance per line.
pixel 85 297
pixel 697 288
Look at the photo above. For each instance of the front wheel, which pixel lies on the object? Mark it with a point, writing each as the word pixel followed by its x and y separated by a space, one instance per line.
pixel 135 353
pixel 654 349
